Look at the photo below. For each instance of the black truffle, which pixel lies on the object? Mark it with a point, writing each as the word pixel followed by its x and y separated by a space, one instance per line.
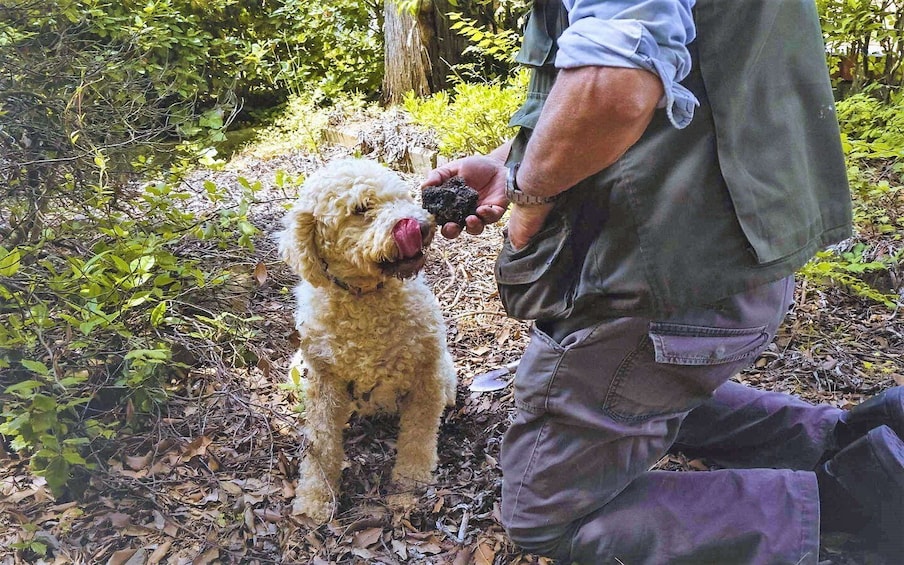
pixel 452 201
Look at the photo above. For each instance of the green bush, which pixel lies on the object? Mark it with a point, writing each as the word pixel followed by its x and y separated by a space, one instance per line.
pixel 872 128
pixel 472 118
pixel 864 36
pixel 100 313
pixel 330 48
pixel 872 137
pixel 302 123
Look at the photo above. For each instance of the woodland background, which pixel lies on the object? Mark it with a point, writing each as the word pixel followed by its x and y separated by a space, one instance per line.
pixel 147 152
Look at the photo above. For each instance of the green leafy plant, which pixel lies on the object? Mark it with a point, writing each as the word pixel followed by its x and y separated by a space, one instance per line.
pixel 473 118
pixel 334 48
pixel 865 42
pixel 304 121
pixel 873 128
pixel 872 137
pixel 98 315
pixel 847 269
pixel 493 52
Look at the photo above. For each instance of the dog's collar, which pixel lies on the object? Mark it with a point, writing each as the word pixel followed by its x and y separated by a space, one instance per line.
pixel 356 290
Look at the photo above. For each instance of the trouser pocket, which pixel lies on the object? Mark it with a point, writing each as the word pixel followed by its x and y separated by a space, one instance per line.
pixel 678 366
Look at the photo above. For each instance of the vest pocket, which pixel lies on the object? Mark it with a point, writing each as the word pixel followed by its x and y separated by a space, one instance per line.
pixel 536 282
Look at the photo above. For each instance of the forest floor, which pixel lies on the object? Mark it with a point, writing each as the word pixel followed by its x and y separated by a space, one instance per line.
pixel 211 479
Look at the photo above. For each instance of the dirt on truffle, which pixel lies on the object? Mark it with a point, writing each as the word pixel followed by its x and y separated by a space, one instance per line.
pixel 452 201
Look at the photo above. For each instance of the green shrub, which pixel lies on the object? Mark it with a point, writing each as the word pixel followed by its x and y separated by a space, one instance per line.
pixel 866 36
pixel 472 118
pixel 302 123
pixel 872 128
pixel 873 137
pixel 100 313
pixel 848 269
pixel 333 48
pixel 490 54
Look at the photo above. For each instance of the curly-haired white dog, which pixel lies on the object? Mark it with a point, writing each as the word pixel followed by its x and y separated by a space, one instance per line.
pixel 371 332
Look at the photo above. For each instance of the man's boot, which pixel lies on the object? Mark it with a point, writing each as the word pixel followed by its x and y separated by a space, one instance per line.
pixel 861 491
pixel 886 408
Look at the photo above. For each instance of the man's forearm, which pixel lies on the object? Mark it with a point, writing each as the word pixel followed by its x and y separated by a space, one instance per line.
pixel 592 116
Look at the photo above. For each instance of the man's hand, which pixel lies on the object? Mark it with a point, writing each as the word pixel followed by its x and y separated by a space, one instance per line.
pixel 486 175
pixel 524 223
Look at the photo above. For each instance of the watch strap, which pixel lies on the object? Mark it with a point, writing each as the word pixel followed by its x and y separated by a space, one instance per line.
pixel 516 196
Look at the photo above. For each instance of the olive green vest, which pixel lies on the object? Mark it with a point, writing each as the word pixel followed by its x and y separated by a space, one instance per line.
pixel 744 195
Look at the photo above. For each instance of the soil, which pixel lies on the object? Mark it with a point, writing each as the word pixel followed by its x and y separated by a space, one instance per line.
pixel 211 478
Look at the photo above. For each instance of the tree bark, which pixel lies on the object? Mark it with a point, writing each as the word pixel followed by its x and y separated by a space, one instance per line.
pixel 406 61
pixel 420 50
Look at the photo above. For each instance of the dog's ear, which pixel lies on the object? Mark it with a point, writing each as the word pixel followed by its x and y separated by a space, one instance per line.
pixel 298 248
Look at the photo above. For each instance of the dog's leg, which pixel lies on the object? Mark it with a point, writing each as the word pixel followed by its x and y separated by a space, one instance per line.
pixel 448 377
pixel 326 412
pixel 420 414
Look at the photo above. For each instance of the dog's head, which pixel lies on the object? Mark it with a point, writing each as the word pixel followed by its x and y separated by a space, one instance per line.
pixel 355 223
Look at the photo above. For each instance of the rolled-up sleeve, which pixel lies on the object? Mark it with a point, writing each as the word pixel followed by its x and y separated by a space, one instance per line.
pixel 643 34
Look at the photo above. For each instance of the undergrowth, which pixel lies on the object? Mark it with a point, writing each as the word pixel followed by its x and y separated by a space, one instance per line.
pixel 869 265
pixel 472 118
pixel 302 124
pixel 104 313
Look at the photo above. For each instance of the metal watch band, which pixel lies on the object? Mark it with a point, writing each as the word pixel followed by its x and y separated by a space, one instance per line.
pixel 514 194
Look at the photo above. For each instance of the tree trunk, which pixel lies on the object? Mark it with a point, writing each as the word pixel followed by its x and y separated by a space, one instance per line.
pixel 420 50
pixel 406 60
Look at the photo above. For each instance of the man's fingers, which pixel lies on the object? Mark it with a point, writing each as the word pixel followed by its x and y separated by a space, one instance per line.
pixel 434 178
pixel 474 225
pixel 490 214
pixel 450 230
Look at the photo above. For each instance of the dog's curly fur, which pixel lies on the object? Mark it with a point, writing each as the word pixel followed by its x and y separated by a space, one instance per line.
pixel 372 336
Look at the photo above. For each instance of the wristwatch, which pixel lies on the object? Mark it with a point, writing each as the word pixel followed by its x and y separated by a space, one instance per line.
pixel 514 194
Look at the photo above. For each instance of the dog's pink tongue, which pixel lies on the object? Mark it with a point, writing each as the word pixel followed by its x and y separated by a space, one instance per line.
pixel 407 235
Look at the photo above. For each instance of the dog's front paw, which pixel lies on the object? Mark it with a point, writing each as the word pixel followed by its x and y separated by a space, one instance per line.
pixel 412 476
pixel 402 503
pixel 319 508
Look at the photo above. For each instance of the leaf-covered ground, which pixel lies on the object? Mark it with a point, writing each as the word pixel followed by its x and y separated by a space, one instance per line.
pixel 211 478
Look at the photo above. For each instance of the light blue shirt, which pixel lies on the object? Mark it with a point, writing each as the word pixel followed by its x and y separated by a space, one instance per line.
pixel 638 34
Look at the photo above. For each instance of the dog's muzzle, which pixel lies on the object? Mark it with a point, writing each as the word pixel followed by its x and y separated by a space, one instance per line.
pixel 411 238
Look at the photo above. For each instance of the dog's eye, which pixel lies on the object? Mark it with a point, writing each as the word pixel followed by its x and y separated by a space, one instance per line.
pixel 361 209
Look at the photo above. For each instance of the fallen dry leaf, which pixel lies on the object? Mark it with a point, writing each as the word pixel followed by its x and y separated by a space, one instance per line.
pixel 207 557
pixel 484 553
pixel 124 556
pixel 198 446
pixel 138 462
pixel 119 520
pixel 400 548
pixel 160 552
pixel 368 537
pixel 260 273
